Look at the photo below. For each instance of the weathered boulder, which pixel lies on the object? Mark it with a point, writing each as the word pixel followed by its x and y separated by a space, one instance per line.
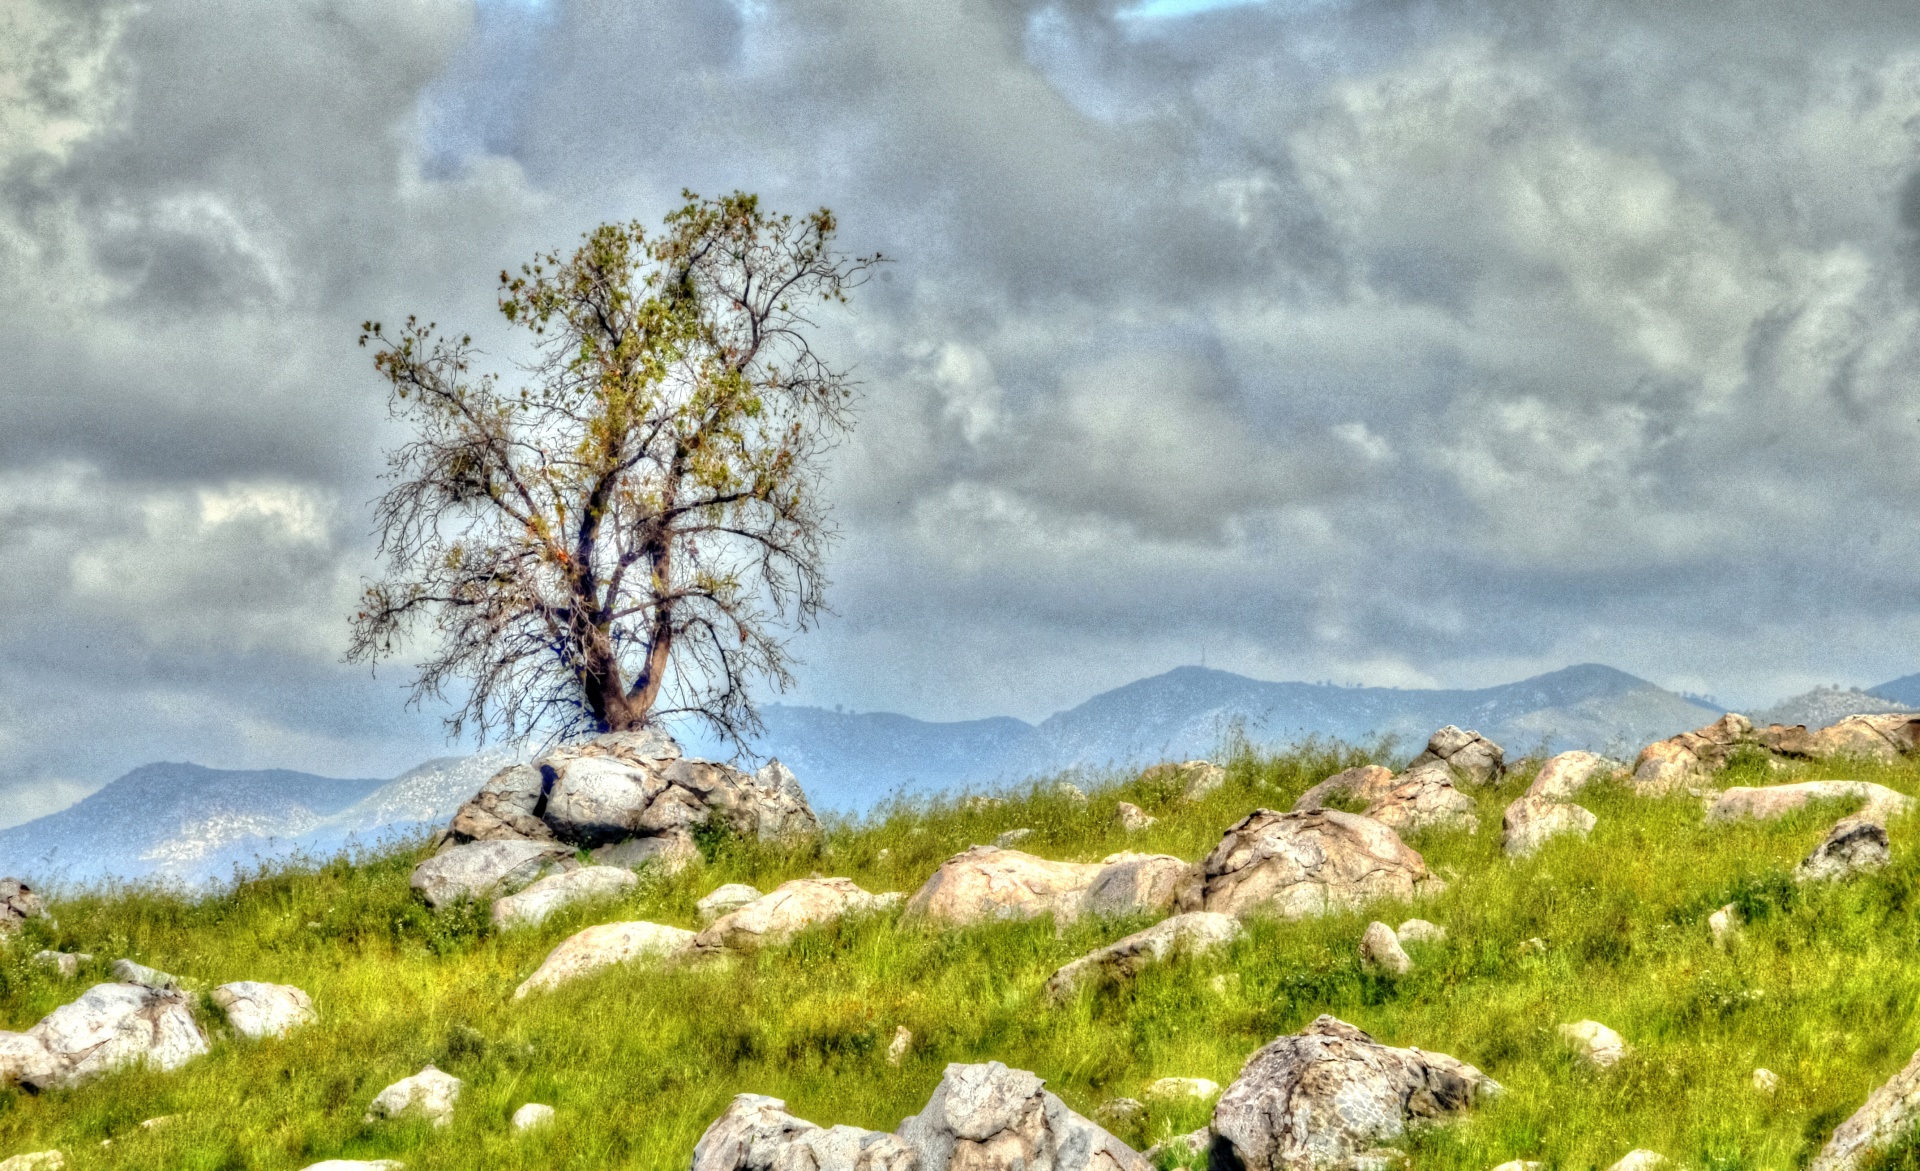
pixel 668 853
pixel 1420 931
pixel 1297 864
pixel 532 1116
pixel 991 1118
pixel 1181 1089
pixel 110 1026
pixel 1425 798
pixel 128 972
pixel 1678 762
pixel 35 1161
pixel 1563 776
pixel 26 1061
pixel 430 1094
pixel 729 897
pixel 1855 845
pixel 757 1134
pixel 1769 801
pixel 1331 1092
pixel 1594 1043
pixel 1196 778
pixel 1194 933
pixel 1138 884
pixel 531 906
pixel 508 807
pixel 1380 949
pixel 18 903
pixel 789 909
pixel 603 946
pixel 1887 1116
pixel 483 870
pixel 987 882
pixel 1884 738
pixel 1360 786
pixel 1530 822
pixel 1475 757
pixel 257 1009
pixel 1132 818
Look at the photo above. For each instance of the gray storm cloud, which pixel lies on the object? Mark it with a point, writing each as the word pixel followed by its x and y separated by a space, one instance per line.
pixel 1383 342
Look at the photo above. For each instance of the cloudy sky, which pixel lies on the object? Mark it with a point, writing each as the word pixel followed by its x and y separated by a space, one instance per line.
pixel 1389 342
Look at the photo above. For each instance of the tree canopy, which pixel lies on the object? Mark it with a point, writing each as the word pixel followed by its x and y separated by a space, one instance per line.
pixel 632 527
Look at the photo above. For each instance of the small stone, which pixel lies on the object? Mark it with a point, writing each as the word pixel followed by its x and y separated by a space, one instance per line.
pixel 357 1165
pixel 1013 837
pixel 429 1094
pixel 902 1041
pixel 1380 950
pixel 64 964
pixel 1181 1089
pixel 37 1161
pixel 1595 1044
pixel 1533 947
pixel 532 1115
pixel 1070 791
pixel 1420 931
pixel 1724 924
pixel 18 903
pixel 128 972
pixel 1225 984
pixel 724 899
pixel 1132 818
pixel 157 1123
pixel 1377 1159
pixel 1119 1111
pixel 1520 1165
pixel 1639 1160
pixel 1766 1081
pixel 981 804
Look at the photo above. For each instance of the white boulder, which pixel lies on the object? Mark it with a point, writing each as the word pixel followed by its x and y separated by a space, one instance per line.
pixel 257 1009
pixel 1594 1043
pixel 430 1094
pixel 730 897
pixel 532 1116
pixel 484 870
pixel 530 907
pixel 604 946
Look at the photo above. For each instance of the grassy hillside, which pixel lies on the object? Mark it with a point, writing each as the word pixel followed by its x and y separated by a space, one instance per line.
pixel 637 1061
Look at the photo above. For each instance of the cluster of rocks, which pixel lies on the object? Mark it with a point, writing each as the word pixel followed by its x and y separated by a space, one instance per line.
pixel 1691 758
pixel 144 1018
pixel 628 798
pixel 1427 794
pixel 1546 810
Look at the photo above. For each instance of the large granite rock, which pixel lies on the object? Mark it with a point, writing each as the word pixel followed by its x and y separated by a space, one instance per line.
pixel 603 946
pixel 509 806
pixel 792 907
pixel 257 1009
pixel 1330 1092
pixel 18 903
pixel 1297 864
pixel 108 1027
pixel 1678 762
pixel 1477 759
pixel 1425 798
pixel 1768 801
pixel 1194 933
pixel 757 1134
pixel 530 907
pixel 1562 777
pixel 987 882
pixel 1360 786
pixel 991 1118
pixel 1138 884
pixel 1888 1115
pixel 483 870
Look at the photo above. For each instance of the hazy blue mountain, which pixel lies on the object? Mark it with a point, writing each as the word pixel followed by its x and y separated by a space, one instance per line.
pixel 1824 706
pixel 1904 690
pixel 176 821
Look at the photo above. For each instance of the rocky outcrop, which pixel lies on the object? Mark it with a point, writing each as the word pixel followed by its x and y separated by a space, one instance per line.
pixel 1769 801
pixel 530 907
pixel 1477 759
pixel 1139 884
pixel 1380 950
pixel 484 870
pixel 1855 845
pixel 1888 1115
pixel 1883 738
pixel 1692 757
pixel 792 907
pixel 1359 787
pixel 430 1094
pixel 1530 822
pixel 1194 933
pixel 257 1009
pixel 1297 864
pixel 18 903
pixel 1315 1099
pixel 1670 765
pixel 1594 1043
pixel 604 946
pixel 1425 798
pixel 1562 777
pixel 987 882
pixel 991 1118
pixel 729 897
pixel 109 1026
pixel 632 799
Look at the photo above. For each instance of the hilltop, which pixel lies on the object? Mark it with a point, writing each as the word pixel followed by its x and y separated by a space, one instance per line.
pixel 637 1060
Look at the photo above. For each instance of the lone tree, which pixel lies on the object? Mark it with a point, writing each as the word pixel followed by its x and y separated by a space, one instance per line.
pixel 626 532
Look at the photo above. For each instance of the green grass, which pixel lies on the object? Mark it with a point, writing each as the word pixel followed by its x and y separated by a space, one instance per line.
pixel 1823 989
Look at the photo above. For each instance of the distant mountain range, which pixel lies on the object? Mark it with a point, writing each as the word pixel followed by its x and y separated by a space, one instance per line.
pixel 185 823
